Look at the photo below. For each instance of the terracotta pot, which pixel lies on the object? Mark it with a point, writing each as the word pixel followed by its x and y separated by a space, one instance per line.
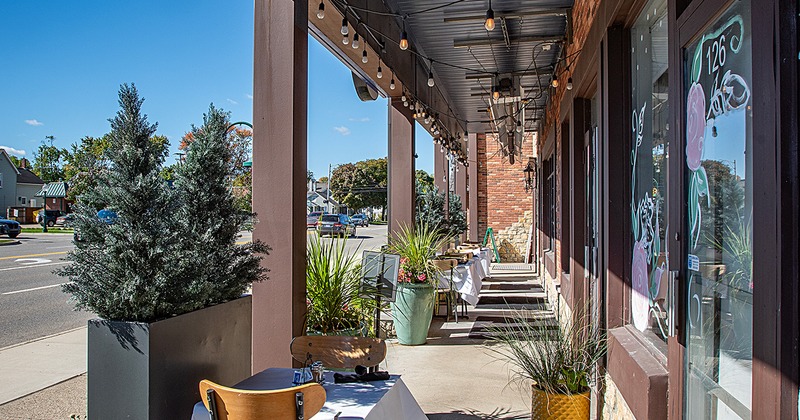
pixel 559 406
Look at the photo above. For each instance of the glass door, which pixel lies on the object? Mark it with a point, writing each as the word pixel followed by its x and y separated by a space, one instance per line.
pixel 591 233
pixel 717 70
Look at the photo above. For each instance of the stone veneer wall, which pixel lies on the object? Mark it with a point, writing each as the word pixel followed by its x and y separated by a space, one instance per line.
pixel 503 203
pixel 614 405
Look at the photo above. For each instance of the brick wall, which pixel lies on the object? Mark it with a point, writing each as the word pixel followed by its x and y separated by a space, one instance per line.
pixel 503 203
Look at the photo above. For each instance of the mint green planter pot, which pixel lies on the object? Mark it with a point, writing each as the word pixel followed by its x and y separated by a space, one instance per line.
pixel 412 311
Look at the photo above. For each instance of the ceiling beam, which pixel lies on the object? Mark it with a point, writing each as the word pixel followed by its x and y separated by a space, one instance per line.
pixel 484 42
pixel 509 15
pixel 540 71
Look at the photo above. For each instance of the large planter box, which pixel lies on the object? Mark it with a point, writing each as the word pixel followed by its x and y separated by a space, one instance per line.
pixel 152 370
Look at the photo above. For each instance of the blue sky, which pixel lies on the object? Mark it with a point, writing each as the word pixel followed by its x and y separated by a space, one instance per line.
pixel 64 61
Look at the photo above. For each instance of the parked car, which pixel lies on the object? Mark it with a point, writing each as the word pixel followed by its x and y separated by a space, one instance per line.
pixel 360 219
pixel 65 220
pixel 8 227
pixel 49 216
pixel 106 216
pixel 313 218
pixel 335 224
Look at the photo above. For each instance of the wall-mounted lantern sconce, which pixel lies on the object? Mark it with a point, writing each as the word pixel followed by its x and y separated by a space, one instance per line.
pixel 530 177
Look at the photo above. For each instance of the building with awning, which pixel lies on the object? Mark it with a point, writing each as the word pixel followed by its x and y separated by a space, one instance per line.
pixel 54 194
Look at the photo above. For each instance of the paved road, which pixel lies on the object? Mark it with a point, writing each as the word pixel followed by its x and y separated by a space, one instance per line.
pixel 32 304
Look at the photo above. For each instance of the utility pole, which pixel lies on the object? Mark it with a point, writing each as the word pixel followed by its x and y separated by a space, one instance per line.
pixel 328 190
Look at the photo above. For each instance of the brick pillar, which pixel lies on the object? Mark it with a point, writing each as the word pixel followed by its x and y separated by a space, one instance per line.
pixel 280 92
pixel 401 192
pixel 473 231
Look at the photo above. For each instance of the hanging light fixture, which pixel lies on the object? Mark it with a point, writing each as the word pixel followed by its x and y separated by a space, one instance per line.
pixel 403 98
pixel 355 40
pixel 519 127
pixel 569 84
pixel 345 31
pixel 529 173
pixel 489 23
pixel 391 83
pixel 404 38
pixel 554 83
pixel 321 11
pixel 345 40
pixel 364 58
pixel 430 79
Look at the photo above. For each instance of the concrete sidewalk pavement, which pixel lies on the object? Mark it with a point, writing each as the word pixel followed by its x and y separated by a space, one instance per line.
pixel 32 366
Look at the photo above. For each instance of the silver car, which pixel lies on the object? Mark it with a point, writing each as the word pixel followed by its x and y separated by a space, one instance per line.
pixel 335 224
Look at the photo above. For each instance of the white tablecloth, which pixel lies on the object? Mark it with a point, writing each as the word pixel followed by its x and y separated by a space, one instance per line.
pixel 377 400
pixel 467 280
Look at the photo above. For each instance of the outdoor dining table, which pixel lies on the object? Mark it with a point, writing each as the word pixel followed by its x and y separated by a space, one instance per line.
pixel 389 399
pixel 467 280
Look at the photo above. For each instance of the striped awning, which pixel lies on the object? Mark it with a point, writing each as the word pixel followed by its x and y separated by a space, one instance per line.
pixel 54 189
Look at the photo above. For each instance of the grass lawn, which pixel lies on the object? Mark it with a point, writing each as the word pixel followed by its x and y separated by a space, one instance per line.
pixel 6 241
pixel 49 230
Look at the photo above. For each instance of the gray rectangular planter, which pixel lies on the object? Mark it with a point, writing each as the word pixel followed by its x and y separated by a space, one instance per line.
pixel 152 370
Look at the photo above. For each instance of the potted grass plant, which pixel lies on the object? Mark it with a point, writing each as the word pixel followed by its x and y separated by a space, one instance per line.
pixel 165 275
pixel 412 310
pixel 558 360
pixel 334 294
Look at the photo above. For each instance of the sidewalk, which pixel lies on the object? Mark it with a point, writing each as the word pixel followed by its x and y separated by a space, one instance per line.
pixel 30 367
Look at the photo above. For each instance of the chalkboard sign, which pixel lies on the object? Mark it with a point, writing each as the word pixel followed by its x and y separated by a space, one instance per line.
pixel 379 271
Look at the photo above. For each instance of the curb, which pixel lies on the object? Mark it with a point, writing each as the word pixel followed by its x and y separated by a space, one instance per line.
pixel 14 242
pixel 41 338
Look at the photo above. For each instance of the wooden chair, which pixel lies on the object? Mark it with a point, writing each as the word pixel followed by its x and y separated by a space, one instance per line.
pixel 338 352
pixel 296 403
pixel 451 297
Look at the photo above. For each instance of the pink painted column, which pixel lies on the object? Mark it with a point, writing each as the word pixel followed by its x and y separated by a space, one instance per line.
pixel 280 92
pixel 472 178
pixel 401 188
pixel 461 190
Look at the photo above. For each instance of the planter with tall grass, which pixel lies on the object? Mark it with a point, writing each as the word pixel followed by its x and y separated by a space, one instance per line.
pixel 412 310
pixel 334 294
pixel 558 360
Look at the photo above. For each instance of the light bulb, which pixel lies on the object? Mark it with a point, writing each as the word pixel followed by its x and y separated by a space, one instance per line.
pixel 489 24
pixel 404 41
pixel 496 94
pixel 364 58
pixel 555 83
pixel 569 84
pixel 391 84
pixel 345 40
pixel 519 127
pixel 466 135
pixel 424 114
pixel 344 27
pixel 427 120
pixel 441 149
pixel 355 41
pixel 380 72
pixel 403 98
pixel 321 11
pixel 436 132
pixel 405 104
pixel 430 79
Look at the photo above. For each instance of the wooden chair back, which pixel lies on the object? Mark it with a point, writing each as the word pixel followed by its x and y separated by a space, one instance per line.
pixel 338 352
pixel 279 404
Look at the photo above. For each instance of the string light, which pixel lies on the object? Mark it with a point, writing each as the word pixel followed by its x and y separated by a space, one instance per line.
pixel 380 71
pixel 519 127
pixel 355 40
pixel 430 79
pixel 364 58
pixel 489 24
pixel 321 11
pixel 345 40
pixel 569 84
pixel 555 83
pixel 404 38
pixel 391 83
pixel 344 27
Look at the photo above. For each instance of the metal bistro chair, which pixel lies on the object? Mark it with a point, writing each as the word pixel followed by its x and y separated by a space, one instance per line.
pixel 296 403
pixel 338 352
pixel 451 296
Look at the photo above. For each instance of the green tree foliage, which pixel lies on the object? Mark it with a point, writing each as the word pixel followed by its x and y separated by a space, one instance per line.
pixel 361 184
pixel 156 261
pixel 48 163
pixel 430 211
pixel 309 175
pixel 424 180
pixel 15 160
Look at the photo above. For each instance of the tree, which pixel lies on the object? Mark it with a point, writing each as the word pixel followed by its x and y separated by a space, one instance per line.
pixel 430 211
pixel 424 180
pixel 15 160
pixel 48 162
pixel 361 184
pixel 170 251
pixel 309 175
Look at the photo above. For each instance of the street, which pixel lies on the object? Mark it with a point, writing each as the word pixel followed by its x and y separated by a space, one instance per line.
pixel 32 304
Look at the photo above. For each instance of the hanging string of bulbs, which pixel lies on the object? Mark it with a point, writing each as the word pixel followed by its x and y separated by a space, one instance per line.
pixel 424 113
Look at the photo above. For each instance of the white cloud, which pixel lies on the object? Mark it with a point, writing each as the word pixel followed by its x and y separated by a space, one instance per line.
pixel 13 151
pixel 232 101
pixel 342 130
pixel 34 122
pixel 362 119
pixel 249 96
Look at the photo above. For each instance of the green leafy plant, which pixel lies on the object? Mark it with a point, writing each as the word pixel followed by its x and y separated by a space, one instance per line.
pixel 170 250
pixel 558 359
pixel 417 247
pixel 333 288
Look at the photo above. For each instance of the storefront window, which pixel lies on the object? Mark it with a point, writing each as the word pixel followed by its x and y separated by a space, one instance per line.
pixel 719 265
pixel 649 171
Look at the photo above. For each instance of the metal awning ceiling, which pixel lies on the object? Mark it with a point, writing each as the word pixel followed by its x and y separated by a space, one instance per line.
pixel 467 61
